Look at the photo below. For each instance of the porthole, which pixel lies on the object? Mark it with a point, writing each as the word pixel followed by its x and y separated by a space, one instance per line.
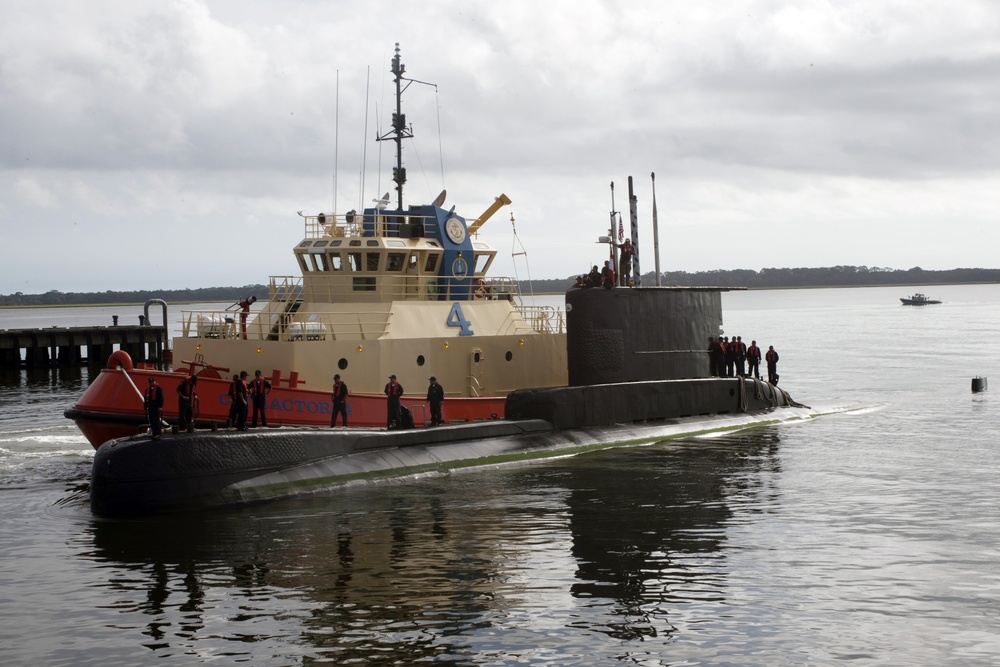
pixel 342 364
pixel 476 357
pixel 420 360
pixel 509 356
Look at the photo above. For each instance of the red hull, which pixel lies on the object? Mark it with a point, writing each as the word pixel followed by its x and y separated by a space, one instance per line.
pixel 112 406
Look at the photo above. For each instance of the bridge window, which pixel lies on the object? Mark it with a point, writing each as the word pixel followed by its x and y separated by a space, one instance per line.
pixel 482 261
pixel 364 284
pixel 372 260
pixel 395 261
pixel 354 259
pixel 336 262
pixel 431 265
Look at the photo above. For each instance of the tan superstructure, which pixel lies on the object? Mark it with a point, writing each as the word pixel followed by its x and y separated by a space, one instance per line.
pixel 367 306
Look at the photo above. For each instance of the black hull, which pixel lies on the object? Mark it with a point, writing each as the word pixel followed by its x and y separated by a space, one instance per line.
pixel 204 469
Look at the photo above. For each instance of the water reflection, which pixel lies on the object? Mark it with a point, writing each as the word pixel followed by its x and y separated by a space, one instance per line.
pixel 612 545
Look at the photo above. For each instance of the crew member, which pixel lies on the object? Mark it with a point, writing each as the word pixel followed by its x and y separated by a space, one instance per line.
pixel 730 348
pixel 242 391
pixel 186 397
pixel 718 351
pixel 339 400
pixel 753 360
pixel 435 397
pixel 259 389
pixel 609 275
pixel 153 402
pixel 393 390
pixel 234 408
pixel 625 262
pixel 741 357
pixel 772 364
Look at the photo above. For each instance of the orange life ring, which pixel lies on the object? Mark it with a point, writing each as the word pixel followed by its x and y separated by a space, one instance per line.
pixel 120 358
pixel 480 288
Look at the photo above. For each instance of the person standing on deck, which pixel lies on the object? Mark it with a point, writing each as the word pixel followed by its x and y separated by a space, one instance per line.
pixel 186 397
pixel 753 360
pixel 393 390
pixel 339 401
pixel 240 393
pixel 741 357
pixel 153 402
pixel 772 365
pixel 625 263
pixel 259 389
pixel 435 397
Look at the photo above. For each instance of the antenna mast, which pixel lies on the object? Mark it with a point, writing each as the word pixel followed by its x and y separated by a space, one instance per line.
pixel 399 130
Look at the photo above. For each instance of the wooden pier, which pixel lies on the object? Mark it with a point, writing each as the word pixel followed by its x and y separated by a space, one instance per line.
pixel 59 346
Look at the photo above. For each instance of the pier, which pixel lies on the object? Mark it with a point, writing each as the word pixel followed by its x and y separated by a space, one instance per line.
pixel 65 346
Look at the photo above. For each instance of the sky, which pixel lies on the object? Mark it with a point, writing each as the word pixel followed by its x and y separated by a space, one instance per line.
pixel 170 144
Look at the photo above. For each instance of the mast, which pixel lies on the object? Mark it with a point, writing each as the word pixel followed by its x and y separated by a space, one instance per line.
pixel 399 130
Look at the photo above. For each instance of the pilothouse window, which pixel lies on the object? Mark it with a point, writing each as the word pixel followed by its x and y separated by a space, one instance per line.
pixel 431 265
pixel 395 262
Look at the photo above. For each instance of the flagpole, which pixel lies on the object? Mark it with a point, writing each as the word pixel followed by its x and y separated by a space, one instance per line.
pixel 656 231
pixel 611 232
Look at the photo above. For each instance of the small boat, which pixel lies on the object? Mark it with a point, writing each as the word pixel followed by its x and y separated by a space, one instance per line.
pixel 918 299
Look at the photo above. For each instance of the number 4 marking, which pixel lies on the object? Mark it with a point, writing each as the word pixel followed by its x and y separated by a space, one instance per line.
pixel 457 319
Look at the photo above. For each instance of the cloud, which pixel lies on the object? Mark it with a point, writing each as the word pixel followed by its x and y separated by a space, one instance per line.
pixel 185 134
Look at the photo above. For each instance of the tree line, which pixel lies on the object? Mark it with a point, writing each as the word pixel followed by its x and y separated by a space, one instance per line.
pixel 833 276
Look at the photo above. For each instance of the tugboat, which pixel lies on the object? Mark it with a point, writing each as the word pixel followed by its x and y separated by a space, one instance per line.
pixel 398 290
pixel 918 299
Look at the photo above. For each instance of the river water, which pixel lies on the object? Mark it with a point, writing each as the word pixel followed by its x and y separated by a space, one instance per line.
pixel 867 538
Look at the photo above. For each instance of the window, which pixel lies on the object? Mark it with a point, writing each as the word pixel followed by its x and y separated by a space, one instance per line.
pixel 395 261
pixel 372 259
pixel 364 284
pixel 336 262
pixel 354 258
pixel 431 265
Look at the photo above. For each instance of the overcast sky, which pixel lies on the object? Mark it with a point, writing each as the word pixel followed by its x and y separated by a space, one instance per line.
pixel 169 143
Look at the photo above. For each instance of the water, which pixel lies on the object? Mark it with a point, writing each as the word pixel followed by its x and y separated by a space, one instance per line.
pixel 869 538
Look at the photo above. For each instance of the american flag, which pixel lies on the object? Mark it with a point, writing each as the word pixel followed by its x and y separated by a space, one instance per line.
pixel 621 229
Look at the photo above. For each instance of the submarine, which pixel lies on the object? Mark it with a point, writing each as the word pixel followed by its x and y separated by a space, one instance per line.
pixel 639 373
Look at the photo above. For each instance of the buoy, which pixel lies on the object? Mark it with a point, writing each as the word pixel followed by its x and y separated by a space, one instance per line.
pixel 978 385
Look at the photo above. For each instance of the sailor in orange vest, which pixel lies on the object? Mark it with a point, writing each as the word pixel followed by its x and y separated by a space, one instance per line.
pixel 772 365
pixel 741 357
pixel 185 401
pixel 153 402
pixel 753 360
pixel 340 394
pixel 259 389
pixel 393 390
pixel 730 348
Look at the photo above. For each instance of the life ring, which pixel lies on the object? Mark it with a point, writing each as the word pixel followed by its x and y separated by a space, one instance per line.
pixel 480 288
pixel 432 287
pixel 120 358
